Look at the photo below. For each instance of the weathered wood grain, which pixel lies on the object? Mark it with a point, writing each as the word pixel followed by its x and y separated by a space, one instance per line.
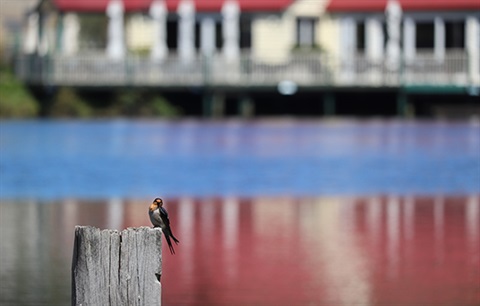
pixel 117 268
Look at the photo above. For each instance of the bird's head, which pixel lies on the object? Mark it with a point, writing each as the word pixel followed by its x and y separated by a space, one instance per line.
pixel 156 204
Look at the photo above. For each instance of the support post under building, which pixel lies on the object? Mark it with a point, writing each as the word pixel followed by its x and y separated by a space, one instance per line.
pixel 329 104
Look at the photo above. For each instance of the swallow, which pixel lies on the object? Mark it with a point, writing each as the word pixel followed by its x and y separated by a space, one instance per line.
pixel 159 217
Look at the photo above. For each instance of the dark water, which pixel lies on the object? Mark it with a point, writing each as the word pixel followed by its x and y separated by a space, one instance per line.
pixel 268 213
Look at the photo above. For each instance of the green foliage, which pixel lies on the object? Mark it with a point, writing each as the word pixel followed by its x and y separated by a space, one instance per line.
pixel 126 101
pixel 161 107
pixel 93 30
pixel 67 103
pixel 15 100
pixel 137 103
pixel 142 52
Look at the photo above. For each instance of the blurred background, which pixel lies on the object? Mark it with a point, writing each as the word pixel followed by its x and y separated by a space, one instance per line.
pixel 309 152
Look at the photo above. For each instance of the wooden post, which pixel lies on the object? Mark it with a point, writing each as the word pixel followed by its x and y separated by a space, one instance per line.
pixel 402 104
pixel 246 107
pixel 117 268
pixel 329 104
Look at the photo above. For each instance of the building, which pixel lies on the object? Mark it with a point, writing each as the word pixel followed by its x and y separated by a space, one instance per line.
pixel 11 13
pixel 160 27
pixel 432 37
pixel 238 48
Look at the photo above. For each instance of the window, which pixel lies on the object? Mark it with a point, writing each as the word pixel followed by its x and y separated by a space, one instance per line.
pixel 425 35
pixel 245 32
pixel 455 34
pixel 360 47
pixel 172 34
pixel 93 31
pixel 197 35
pixel 218 34
pixel 306 31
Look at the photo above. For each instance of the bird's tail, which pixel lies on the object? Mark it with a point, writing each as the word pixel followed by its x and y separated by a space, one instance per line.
pixel 174 239
pixel 170 246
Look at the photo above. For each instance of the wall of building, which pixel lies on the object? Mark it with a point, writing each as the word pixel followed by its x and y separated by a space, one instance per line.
pixel 274 35
pixel 139 32
pixel 328 35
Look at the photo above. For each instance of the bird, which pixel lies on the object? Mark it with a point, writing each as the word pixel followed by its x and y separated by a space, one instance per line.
pixel 159 217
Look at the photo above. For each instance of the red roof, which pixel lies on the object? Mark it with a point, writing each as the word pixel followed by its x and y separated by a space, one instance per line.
pixel 407 5
pixel 143 5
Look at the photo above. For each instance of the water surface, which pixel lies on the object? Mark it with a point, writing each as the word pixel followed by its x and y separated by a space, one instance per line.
pixel 378 250
pixel 105 159
pixel 268 212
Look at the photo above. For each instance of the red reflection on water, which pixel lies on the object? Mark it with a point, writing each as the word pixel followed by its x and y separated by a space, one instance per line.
pixel 269 251
pixel 281 251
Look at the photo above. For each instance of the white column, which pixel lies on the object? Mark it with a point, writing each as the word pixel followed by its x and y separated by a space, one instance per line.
pixel 409 39
pixel 348 43
pixel 394 17
pixel 439 39
pixel 45 34
pixel 231 31
pixel 115 39
pixel 158 11
pixel 207 36
pixel 348 38
pixel 186 39
pixel 70 37
pixel 374 39
pixel 30 42
pixel 472 41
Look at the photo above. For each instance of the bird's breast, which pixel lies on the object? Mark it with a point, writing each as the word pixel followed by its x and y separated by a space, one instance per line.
pixel 155 218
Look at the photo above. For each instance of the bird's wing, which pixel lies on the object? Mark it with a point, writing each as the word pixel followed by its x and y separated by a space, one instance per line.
pixel 164 216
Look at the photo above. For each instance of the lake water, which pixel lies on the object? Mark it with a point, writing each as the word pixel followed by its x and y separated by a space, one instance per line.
pixel 268 212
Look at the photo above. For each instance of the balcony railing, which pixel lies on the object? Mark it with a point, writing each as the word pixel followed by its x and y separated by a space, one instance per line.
pixel 308 70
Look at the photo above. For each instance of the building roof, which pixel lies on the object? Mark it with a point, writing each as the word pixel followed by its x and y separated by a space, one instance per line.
pixel 407 5
pixel 143 5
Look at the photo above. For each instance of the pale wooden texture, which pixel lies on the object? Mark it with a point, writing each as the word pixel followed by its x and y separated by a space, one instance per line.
pixel 117 268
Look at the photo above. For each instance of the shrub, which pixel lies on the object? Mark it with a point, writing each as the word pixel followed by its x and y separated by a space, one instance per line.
pixel 67 103
pixel 15 100
pixel 137 103
pixel 161 107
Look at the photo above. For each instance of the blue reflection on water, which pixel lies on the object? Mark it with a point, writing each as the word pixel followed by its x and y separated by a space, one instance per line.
pixel 103 159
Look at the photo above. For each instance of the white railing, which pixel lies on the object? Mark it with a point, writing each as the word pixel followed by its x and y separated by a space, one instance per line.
pixel 311 70
pixel 426 69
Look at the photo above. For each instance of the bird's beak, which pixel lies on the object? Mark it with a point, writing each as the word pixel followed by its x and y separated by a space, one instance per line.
pixel 153 206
